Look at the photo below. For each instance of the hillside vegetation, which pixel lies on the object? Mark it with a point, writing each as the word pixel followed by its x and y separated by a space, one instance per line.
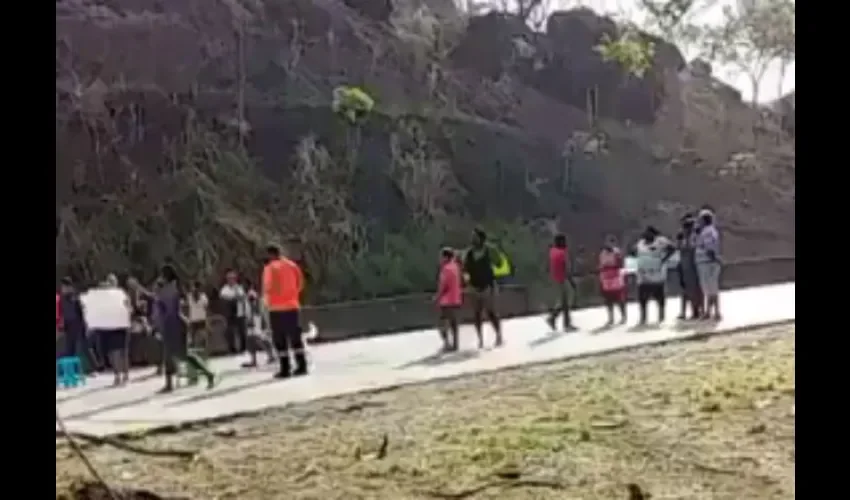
pixel 198 131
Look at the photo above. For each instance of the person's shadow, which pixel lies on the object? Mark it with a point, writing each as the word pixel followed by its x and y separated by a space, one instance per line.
pixel 441 358
pixel 645 327
pixel 548 338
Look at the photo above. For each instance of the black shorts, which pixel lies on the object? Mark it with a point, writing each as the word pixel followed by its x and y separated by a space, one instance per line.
pixel 113 340
pixel 285 325
pixel 483 299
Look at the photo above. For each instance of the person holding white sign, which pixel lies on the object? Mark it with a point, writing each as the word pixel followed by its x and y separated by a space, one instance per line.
pixel 107 311
pixel 653 252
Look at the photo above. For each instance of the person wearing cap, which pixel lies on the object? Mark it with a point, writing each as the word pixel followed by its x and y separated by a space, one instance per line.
pixel 707 256
pixel 282 285
pixel 652 252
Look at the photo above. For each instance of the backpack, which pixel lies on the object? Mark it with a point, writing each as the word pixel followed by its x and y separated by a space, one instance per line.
pixel 501 263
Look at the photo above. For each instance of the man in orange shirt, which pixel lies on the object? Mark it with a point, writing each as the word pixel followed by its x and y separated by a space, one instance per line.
pixel 283 282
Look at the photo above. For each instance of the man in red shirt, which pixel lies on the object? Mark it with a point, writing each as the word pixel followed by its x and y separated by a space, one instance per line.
pixel 558 269
pixel 449 298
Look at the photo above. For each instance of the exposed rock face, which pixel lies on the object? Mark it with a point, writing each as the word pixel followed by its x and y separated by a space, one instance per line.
pixel 565 65
pixel 378 10
pixel 718 124
pixel 134 77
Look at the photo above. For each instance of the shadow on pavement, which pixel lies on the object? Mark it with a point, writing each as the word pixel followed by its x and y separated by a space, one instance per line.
pixel 95 390
pixel 549 337
pixel 151 376
pixel 649 327
pixel 607 327
pixel 213 393
pixel 107 408
pixel 440 358
pixel 697 326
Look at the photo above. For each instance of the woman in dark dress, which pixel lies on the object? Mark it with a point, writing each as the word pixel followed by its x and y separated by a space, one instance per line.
pixel 688 277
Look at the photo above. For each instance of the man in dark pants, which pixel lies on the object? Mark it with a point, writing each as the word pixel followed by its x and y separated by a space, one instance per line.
pixel 478 266
pixel 74 326
pixel 283 282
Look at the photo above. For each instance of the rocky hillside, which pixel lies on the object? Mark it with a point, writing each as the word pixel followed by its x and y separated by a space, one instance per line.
pixel 197 131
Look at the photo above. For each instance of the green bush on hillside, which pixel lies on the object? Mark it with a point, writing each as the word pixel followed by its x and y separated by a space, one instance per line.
pixel 352 103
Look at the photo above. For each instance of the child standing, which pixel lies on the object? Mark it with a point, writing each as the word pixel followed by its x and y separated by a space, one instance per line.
pixel 259 331
pixel 449 298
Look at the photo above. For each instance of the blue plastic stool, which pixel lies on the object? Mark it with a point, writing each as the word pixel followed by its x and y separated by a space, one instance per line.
pixel 69 372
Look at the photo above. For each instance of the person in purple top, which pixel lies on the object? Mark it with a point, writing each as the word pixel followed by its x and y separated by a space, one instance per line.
pixel 172 328
pixel 707 256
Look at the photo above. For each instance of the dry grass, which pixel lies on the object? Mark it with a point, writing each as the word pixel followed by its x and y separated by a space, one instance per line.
pixel 702 420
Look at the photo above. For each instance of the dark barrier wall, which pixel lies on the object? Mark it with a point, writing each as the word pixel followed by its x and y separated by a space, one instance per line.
pixel 356 319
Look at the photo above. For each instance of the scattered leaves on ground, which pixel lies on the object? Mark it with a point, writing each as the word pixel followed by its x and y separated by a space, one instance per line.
pixel 699 420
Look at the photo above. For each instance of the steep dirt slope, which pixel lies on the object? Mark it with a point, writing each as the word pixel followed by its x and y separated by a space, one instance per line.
pixel 149 163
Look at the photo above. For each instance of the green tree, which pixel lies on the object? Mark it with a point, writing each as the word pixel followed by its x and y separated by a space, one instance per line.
pixel 754 35
pixel 633 51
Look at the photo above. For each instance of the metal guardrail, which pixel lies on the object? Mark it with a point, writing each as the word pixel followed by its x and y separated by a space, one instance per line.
pixel 579 277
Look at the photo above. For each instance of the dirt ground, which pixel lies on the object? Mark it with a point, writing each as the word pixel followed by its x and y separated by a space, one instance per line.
pixel 700 420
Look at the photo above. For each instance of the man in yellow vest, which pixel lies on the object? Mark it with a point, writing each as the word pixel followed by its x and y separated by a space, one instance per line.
pixel 283 282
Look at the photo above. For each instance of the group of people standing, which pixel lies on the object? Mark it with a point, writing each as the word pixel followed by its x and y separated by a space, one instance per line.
pixel 98 323
pixel 697 260
pixel 695 254
pixel 269 319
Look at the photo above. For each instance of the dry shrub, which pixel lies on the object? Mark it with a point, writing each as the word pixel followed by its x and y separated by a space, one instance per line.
pixel 319 201
pixel 428 37
pixel 427 181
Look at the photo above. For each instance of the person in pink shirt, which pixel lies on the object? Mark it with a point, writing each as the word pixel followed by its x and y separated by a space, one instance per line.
pixel 449 298
pixel 558 271
pixel 612 280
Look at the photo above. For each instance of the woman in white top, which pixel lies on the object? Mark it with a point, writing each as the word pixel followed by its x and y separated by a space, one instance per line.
pixel 197 305
pixel 259 331
pixel 234 301
pixel 653 252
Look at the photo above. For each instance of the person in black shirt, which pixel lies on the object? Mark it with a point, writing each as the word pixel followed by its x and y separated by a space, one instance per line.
pixel 478 267
pixel 74 325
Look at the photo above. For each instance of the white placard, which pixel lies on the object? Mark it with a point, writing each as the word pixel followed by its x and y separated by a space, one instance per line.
pixel 630 265
pixel 106 309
